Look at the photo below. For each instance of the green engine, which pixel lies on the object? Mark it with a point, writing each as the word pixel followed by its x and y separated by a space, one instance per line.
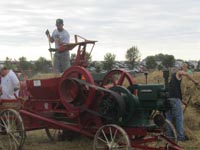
pixel 140 105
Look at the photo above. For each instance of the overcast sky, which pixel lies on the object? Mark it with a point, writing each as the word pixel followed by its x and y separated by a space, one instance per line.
pixel 154 26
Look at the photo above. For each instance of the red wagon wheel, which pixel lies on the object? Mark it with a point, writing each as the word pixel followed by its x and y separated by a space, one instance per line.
pixel 111 137
pixel 160 140
pixel 70 90
pixel 173 136
pixel 117 77
pixel 12 132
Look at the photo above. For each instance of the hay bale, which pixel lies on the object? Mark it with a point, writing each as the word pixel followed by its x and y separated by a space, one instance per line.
pixel 190 134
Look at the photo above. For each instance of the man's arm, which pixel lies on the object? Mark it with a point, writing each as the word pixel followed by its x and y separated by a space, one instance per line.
pixel 183 73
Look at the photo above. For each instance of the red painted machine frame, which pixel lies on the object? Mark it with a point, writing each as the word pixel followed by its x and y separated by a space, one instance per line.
pixel 41 101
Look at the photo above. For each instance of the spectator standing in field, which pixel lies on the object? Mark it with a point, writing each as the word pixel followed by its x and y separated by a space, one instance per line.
pixel 60 36
pixel 175 113
pixel 9 84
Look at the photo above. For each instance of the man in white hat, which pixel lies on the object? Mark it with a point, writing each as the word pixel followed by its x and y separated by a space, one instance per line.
pixel 9 87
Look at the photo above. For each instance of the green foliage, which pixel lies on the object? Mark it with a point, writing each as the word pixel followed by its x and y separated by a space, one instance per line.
pixel 98 67
pixel 24 64
pixel 72 58
pixel 133 56
pixel 8 63
pixel 42 65
pixel 160 67
pixel 88 58
pixel 109 60
pixel 166 60
pixel 198 65
pixel 151 62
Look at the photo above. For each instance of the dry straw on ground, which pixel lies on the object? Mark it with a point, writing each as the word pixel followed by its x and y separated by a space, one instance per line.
pixel 38 139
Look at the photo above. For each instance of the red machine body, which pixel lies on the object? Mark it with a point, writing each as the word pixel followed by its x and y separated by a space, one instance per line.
pixel 71 103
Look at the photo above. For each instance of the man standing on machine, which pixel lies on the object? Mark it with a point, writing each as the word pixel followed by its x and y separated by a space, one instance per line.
pixel 60 36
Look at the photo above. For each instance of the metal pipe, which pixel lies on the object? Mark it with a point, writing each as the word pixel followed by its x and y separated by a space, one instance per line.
pixel 55 123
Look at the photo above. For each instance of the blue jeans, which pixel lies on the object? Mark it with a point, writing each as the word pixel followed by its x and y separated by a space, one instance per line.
pixel 175 115
pixel 61 61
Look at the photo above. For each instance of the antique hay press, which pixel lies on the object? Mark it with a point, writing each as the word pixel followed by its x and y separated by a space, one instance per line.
pixel 117 113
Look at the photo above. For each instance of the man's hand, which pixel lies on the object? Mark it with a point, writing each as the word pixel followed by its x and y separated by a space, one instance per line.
pixel 52 49
pixel 47 33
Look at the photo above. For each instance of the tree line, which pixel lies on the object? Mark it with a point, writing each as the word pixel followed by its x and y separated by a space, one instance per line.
pixel 42 65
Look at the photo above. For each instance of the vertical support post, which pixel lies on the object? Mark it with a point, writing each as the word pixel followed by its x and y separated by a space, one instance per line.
pixel 146 74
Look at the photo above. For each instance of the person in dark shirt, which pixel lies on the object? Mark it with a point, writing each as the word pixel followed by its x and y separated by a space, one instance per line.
pixel 175 113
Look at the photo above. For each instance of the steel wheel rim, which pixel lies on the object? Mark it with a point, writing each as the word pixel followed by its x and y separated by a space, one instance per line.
pixel 117 77
pixel 174 138
pixel 111 137
pixel 160 143
pixel 12 130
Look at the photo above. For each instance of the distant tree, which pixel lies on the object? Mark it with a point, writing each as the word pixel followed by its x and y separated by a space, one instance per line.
pixel 109 60
pixel 88 58
pixel 24 64
pixel 168 61
pixel 198 65
pixel 160 67
pixel 72 58
pixel 133 56
pixel 8 63
pixel 159 57
pixel 151 62
pixel 42 65
pixel 98 67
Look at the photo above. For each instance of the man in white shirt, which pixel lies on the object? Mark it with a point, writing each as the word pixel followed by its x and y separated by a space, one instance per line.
pixel 9 84
pixel 60 36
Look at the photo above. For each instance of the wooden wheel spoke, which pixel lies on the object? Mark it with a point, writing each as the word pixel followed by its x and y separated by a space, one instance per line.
pixel 121 79
pixel 5 125
pixel 14 135
pixel 14 139
pixel 105 136
pixel 117 77
pixel 102 140
pixel 115 138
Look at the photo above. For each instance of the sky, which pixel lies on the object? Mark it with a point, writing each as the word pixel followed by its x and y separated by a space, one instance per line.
pixel 153 26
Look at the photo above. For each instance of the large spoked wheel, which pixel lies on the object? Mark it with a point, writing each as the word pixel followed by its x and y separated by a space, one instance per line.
pixel 71 90
pixel 169 126
pixel 162 140
pixel 117 77
pixel 111 137
pixel 12 132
